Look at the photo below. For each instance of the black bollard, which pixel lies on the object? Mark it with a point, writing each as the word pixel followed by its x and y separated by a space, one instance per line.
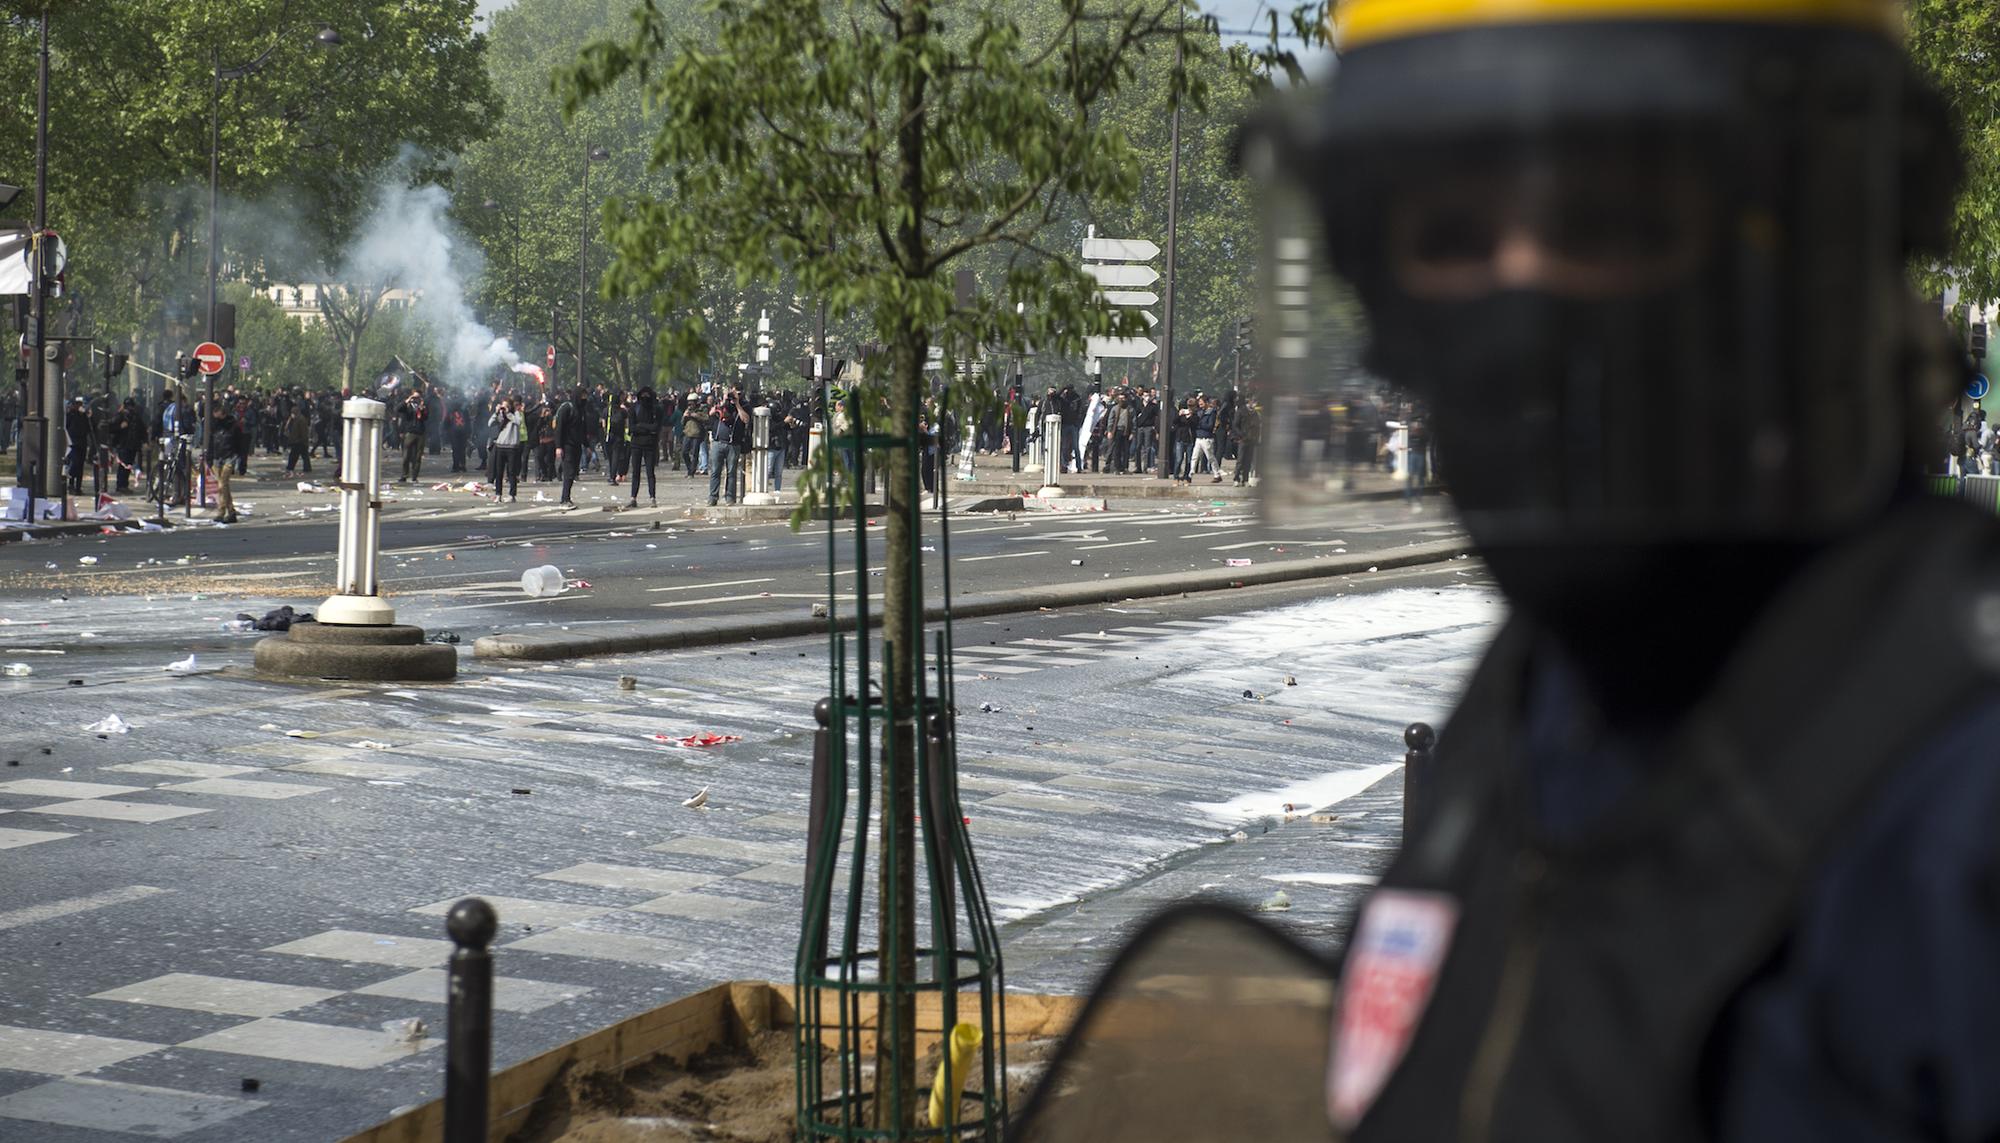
pixel 469 1021
pixel 938 810
pixel 1419 738
pixel 821 779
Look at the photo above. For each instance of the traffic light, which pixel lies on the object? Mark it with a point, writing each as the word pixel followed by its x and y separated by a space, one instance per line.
pixel 1243 329
pixel 1976 342
pixel 114 364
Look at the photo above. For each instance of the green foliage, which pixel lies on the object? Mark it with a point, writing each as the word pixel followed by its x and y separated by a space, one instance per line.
pixel 1956 44
pixel 305 131
pixel 787 144
pixel 532 168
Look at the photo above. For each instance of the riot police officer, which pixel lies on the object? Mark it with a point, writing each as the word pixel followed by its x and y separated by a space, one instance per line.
pixel 1707 849
pixel 1708 855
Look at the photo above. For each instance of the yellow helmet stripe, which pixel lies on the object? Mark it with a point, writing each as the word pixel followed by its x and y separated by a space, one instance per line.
pixel 1357 23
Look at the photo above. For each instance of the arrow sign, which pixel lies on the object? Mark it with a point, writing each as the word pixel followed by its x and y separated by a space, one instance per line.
pixel 1132 297
pixel 1123 275
pixel 1119 250
pixel 1120 346
pixel 1978 387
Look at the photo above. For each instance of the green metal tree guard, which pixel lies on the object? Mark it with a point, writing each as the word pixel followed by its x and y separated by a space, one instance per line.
pixel 843 983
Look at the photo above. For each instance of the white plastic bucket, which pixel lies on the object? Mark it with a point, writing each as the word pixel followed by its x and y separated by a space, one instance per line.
pixel 544 580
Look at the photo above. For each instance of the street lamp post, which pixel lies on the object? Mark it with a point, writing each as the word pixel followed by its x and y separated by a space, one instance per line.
pixel 326 38
pixel 37 418
pixel 594 155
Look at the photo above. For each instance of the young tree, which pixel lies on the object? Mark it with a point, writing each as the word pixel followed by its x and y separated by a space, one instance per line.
pixel 348 309
pixel 868 148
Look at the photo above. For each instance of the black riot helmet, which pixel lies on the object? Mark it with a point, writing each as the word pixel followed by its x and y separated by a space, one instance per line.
pixel 1644 260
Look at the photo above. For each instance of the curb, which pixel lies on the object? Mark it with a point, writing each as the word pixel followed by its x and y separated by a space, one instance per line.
pixel 64 528
pixel 637 638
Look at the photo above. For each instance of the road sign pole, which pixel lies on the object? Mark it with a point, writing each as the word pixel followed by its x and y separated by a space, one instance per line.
pixel 1165 417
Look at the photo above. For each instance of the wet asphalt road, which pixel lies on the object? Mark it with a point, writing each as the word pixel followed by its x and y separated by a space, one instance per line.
pixel 205 898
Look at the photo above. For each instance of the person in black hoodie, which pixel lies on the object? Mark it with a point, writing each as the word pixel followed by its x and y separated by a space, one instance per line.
pixel 128 436
pixel 76 425
pixel 1069 406
pixel 642 416
pixel 572 437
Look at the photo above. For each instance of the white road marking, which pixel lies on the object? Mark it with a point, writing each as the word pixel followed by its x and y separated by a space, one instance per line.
pixel 712 599
pixel 1001 556
pixel 1123 544
pixel 721 583
pixel 50 910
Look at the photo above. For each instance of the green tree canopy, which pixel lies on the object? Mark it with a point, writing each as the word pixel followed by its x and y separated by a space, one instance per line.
pixel 303 131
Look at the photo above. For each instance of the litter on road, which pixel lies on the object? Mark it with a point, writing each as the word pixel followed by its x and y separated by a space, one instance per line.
pixel 109 724
pixel 543 581
pixel 697 741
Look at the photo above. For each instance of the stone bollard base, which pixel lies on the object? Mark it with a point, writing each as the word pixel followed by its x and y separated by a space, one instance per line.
pixel 394 653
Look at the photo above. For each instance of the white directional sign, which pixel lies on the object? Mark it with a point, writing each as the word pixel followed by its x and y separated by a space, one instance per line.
pixel 1108 275
pixel 1119 250
pixel 1132 297
pixel 1120 346
pixel 1119 265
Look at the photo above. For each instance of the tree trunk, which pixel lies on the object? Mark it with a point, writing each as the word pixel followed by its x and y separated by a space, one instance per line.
pixel 902 621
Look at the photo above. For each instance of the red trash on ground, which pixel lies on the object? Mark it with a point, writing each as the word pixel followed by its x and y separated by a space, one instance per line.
pixel 701 739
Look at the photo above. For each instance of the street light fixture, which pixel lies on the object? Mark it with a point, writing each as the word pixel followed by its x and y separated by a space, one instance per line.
pixel 326 38
pixel 593 155
pixel 8 193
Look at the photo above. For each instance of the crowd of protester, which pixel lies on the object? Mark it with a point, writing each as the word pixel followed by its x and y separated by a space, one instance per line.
pixel 516 430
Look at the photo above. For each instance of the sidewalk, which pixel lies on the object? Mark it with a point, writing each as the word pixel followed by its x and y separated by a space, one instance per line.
pixel 267 495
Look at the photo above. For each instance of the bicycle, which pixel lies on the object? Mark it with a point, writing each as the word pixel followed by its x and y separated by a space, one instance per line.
pixel 172 472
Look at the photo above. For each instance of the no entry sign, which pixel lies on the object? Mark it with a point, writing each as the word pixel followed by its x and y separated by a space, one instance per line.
pixel 209 357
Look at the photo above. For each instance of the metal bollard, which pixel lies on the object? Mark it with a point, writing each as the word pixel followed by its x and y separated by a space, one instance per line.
pixel 820 780
pixel 1052 456
pixel 1419 738
pixel 469 1021
pixel 937 811
pixel 757 490
pixel 357 600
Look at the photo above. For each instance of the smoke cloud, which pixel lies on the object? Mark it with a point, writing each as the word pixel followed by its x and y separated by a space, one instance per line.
pixel 409 241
